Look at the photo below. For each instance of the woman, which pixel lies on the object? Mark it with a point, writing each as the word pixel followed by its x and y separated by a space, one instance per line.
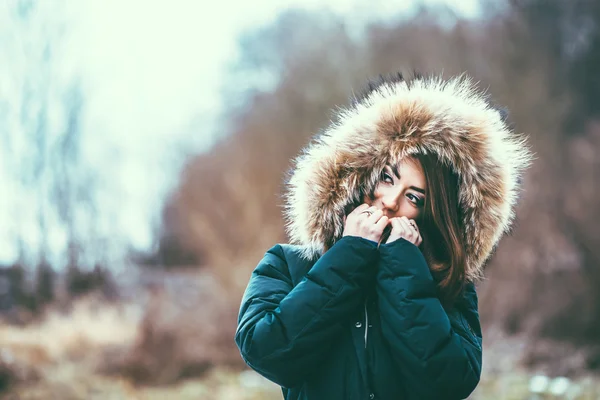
pixel 377 300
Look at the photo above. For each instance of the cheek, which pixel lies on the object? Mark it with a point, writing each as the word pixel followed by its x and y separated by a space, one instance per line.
pixel 409 211
pixel 370 198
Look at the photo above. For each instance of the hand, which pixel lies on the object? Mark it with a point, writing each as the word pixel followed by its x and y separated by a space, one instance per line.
pixel 366 222
pixel 405 228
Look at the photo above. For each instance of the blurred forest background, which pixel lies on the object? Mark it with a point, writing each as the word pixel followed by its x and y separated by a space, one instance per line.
pixel 101 318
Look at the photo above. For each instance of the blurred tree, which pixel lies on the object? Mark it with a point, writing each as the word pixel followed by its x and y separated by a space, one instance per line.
pixel 45 283
pixel 172 250
pixel 567 34
pixel 42 104
pixel 281 88
pixel 569 31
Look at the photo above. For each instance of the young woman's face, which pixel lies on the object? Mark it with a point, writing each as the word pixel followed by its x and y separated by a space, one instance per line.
pixel 401 190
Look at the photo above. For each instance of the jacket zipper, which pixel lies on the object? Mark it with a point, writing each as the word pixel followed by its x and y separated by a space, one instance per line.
pixel 366 324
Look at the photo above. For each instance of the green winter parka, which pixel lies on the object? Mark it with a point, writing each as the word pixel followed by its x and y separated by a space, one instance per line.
pixel 317 329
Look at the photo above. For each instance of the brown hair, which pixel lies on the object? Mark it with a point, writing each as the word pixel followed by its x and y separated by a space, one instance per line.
pixel 442 229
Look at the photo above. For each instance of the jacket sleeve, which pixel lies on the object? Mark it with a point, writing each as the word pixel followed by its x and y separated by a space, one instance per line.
pixel 283 331
pixel 439 353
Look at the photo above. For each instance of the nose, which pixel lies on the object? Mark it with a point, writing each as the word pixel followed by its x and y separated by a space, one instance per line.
pixel 390 202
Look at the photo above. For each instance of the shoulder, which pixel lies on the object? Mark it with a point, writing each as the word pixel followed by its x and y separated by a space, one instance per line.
pixel 283 253
pixel 469 307
pixel 289 260
pixel 470 295
pixel 467 300
pixel 466 304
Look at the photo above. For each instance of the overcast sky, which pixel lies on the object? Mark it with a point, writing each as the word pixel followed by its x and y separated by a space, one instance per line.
pixel 150 73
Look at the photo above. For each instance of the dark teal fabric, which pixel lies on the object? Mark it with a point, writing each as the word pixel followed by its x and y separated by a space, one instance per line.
pixel 302 325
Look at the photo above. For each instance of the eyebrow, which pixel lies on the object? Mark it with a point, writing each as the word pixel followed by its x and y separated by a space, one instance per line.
pixel 395 171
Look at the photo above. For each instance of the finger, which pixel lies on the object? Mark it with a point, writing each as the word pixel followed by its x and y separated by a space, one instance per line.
pixel 375 216
pixel 408 233
pixel 409 224
pixel 366 214
pixel 419 241
pixel 369 209
pixel 417 234
pixel 413 224
pixel 359 209
pixel 358 213
pixel 394 230
pixel 372 209
pixel 397 227
pixel 411 232
pixel 382 223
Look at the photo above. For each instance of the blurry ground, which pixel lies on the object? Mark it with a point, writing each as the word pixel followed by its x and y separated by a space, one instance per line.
pixel 162 340
pixel 170 339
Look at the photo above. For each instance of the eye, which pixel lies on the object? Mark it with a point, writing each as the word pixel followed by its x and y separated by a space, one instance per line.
pixel 386 177
pixel 416 200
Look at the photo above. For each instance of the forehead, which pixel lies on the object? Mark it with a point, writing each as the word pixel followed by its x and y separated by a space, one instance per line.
pixel 410 170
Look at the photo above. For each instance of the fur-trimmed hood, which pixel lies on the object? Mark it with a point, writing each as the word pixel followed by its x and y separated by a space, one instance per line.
pixel 450 119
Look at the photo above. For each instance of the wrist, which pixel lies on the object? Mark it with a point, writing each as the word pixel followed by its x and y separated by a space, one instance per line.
pixel 400 241
pixel 356 237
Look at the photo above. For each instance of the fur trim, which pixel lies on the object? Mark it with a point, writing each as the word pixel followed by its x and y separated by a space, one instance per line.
pixel 450 119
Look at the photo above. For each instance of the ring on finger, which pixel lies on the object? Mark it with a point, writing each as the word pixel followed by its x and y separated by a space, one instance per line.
pixel 369 211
